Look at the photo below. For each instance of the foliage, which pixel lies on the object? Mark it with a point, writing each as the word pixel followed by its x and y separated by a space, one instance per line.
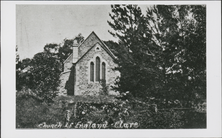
pixel 113 46
pixel 17 55
pixel 162 61
pixel 135 59
pixel 183 59
pixel 28 113
pixel 66 49
pixel 146 116
pixel 22 80
pixel 162 54
pixel 45 72
pixel 41 73
pixel 172 119
pixel 104 90
pixel 31 111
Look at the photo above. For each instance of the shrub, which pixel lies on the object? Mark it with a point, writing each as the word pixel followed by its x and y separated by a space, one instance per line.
pixel 30 111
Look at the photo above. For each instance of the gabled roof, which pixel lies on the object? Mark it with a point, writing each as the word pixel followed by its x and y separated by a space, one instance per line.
pixel 70 56
pixel 90 49
pixel 105 47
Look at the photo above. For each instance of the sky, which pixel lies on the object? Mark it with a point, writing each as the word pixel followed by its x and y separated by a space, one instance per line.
pixel 38 25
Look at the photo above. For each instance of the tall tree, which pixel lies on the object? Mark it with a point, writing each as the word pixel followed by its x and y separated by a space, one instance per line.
pixel 139 71
pixel 45 72
pixel 183 38
pixel 162 54
pixel 113 46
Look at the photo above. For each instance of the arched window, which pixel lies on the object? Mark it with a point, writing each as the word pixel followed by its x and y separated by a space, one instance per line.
pixel 97 69
pixel 103 71
pixel 91 71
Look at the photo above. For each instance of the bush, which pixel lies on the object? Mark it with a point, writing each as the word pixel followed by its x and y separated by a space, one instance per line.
pixel 172 119
pixel 146 116
pixel 195 119
pixel 161 120
pixel 30 112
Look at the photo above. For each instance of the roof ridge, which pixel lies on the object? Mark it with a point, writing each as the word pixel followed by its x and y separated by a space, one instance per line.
pixel 90 49
pixel 105 47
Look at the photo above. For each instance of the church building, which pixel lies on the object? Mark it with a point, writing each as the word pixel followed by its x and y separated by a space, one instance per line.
pixel 88 69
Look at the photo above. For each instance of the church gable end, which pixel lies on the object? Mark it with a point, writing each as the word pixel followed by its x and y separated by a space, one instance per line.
pixel 90 41
pixel 94 66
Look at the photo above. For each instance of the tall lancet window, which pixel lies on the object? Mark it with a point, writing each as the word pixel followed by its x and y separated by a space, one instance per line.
pixel 97 69
pixel 91 71
pixel 103 71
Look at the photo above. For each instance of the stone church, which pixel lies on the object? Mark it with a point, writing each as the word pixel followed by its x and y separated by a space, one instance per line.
pixel 91 63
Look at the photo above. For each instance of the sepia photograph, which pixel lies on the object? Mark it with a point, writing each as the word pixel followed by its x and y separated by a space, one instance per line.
pixel 118 66
pixel 111 69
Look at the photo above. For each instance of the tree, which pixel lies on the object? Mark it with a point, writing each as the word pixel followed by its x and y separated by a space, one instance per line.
pixel 18 66
pixel 44 75
pixel 139 71
pixel 66 49
pixel 183 60
pixel 162 54
pixel 41 73
pixel 51 48
pixel 22 71
pixel 113 46
pixel 17 55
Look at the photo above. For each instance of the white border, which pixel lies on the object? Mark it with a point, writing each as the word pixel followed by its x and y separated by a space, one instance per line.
pixel 213 79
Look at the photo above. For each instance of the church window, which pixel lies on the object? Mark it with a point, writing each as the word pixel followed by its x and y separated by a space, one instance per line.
pixel 97 48
pixel 103 71
pixel 97 69
pixel 91 71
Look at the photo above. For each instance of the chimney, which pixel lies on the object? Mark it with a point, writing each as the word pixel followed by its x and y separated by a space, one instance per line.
pixel 75 51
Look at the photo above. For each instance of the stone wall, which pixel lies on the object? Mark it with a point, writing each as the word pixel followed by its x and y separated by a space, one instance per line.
pixel 83 84
pixel 63 79
pixel 64 76
pixel 90 41
pixel 67 66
